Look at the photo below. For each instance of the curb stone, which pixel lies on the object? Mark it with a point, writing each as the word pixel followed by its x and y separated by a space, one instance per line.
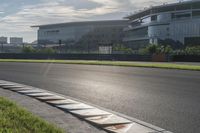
pixel 102 118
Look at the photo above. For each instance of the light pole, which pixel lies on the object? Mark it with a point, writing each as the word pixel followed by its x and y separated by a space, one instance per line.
pixel 60 43
pixel 2 47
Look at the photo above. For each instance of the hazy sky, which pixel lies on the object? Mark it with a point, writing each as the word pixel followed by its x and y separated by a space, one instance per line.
pixel 16 16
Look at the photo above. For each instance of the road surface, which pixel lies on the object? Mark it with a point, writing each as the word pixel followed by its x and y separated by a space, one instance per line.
pixel 166 98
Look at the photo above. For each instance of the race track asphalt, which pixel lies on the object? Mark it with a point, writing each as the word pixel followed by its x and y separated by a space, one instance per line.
pixel 166 98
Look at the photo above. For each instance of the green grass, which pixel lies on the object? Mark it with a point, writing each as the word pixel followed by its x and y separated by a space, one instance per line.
pixel 112 63
pixel 15 119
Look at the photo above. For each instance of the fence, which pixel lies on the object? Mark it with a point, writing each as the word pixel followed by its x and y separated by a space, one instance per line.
pixel 186 58
pixel 117 57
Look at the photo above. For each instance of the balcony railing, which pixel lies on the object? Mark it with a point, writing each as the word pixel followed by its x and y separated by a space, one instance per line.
pixel 135 38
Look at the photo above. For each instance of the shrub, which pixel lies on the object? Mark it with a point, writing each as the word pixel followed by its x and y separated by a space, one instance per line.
pixel 156 49
pixel 47 51
pixel 122 48
pixel 194 50
pixel 30 49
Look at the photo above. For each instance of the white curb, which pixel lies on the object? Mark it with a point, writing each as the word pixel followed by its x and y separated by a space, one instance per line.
pixel 105 119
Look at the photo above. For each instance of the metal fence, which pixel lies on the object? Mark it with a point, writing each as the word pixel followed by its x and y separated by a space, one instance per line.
pixel 112 57
pixel 186 58
pixel 119 57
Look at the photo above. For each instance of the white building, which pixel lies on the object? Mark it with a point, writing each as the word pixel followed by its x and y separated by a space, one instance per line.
pixel 78 32
pixel 82 36
pixel 16 40
pixel 3 40
pixel 177 23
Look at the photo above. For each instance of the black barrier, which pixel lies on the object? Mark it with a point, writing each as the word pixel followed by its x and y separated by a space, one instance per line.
pixel 117 57
pixel 186 58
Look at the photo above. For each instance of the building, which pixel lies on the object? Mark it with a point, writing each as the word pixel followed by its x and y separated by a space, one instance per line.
pixel 82 35
pixel 176 24
pixel 11 48
pixel 16 40
pixel 3 40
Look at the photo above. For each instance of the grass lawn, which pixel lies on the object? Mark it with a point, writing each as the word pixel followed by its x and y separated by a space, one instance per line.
pixel 112 63
pixel 15 119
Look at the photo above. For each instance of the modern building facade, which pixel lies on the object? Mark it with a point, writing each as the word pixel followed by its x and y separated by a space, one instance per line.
pixel 83 34
pixel 176 24
pixel 16 40
pixel 3 40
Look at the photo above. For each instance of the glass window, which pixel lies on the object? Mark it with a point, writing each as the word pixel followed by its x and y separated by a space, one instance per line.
pixel 181 15
pixel 142 32
pixel 196 13
pixel 135 23
pixel 196 6
pixel 183 7
pixel 146 20
pixel 154 18
pixel 173 15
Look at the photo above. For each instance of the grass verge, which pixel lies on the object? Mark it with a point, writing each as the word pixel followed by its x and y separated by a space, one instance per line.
pixel 15 119
pixel 112 63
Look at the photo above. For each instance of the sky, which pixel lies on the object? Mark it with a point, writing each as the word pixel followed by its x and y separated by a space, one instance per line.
pixel 16 16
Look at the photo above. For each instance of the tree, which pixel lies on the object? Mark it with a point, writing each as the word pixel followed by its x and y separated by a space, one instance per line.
pixel 152 48
pixel 168 49
pixel 28 49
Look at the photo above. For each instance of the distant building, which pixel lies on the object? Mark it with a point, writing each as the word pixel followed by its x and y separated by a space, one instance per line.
pixel 85 35
pixel 176 24
pixel 16 40
pixel 3 40
pixel 11 48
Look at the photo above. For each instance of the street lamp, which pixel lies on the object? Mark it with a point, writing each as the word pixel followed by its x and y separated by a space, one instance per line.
pixel 1 47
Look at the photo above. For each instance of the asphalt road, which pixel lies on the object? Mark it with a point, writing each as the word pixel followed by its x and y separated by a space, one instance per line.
pixel 166 98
